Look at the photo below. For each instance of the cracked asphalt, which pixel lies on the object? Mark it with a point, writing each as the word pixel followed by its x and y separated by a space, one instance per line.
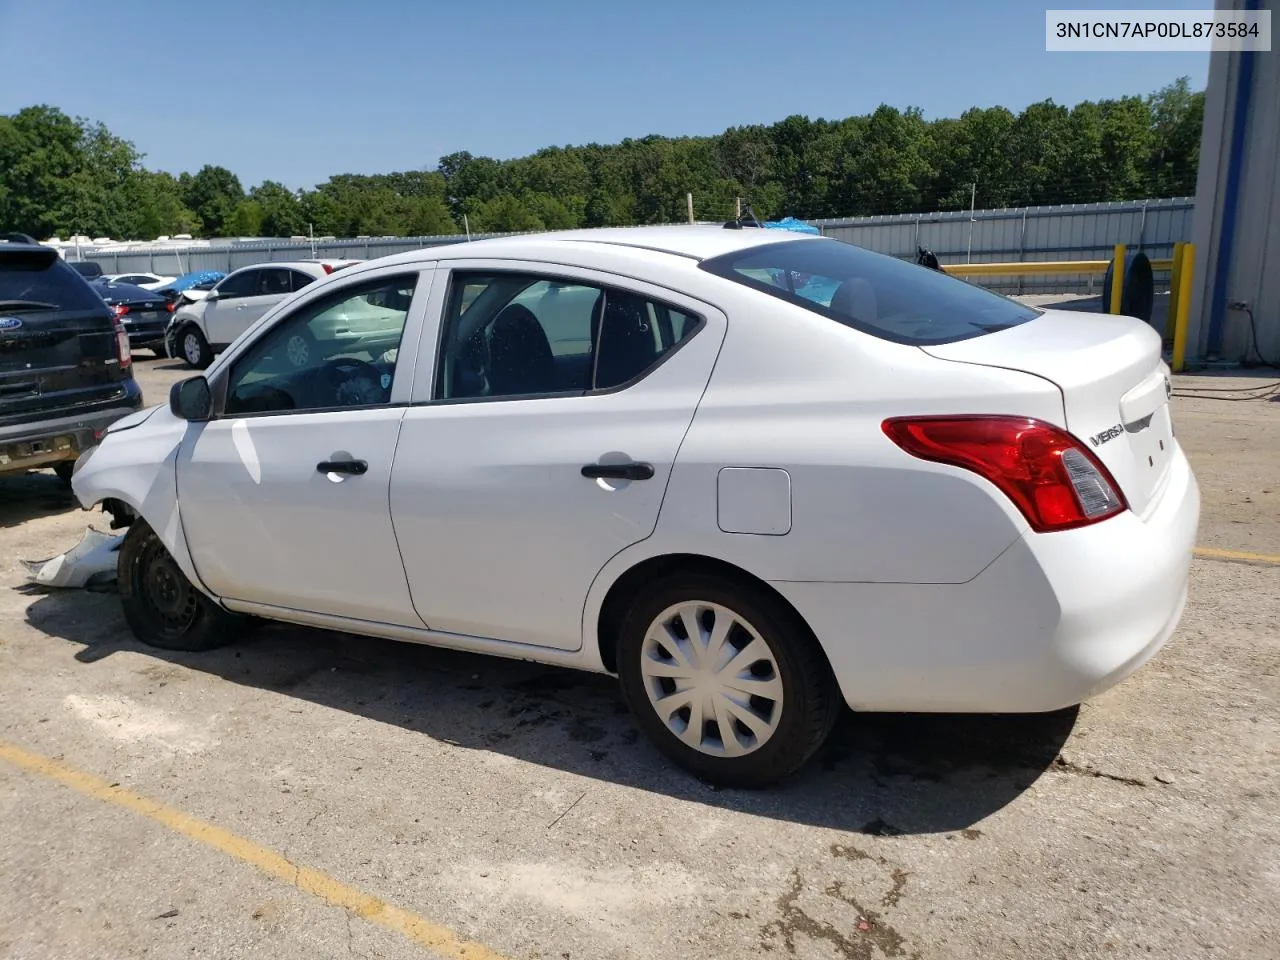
pixel 513 807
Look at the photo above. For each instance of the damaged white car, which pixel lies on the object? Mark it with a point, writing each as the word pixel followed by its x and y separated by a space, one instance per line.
pixel 757 476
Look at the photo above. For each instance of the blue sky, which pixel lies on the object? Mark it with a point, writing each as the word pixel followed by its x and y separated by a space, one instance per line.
pixel 297 91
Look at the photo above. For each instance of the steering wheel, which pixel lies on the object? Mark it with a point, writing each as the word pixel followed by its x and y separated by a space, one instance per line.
pixel 352 383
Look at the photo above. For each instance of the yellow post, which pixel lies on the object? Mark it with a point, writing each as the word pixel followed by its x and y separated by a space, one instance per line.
pixel 1175 275
pixel 1117 278
pixel 1184 267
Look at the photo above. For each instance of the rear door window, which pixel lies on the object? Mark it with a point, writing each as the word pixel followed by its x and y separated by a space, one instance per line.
pixel 880 295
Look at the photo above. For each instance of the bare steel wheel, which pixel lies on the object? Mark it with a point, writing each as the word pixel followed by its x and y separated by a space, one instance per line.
pixel 725 678
pixel 712 678
pixel 161 606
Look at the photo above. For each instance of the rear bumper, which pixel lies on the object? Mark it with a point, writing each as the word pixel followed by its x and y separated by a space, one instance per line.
pixel 28 446
pixel 1056 619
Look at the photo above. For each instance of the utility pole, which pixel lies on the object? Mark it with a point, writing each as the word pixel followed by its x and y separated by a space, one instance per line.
pixel 688 198
pixel 466 226
pixel 737 208
pixel 973 198
pixel 311 233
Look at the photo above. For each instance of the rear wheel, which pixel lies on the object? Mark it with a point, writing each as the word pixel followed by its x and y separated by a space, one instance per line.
pixel 194 348
pixel 726 681
pixel 160 605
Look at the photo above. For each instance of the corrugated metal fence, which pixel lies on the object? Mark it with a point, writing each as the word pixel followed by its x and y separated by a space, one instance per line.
pixel 1074 232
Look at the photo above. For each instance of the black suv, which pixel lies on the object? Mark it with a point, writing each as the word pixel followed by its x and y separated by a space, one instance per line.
pixel 65 369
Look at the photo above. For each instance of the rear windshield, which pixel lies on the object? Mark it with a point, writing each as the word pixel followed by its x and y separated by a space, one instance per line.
pixel 883 296
pixel 29 281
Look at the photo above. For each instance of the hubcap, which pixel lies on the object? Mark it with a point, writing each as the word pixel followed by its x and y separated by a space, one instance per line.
pixel 712 679
pixel 191 348
pixel 299 352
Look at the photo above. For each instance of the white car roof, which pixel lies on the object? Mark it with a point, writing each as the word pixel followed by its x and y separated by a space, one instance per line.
pixel 694 241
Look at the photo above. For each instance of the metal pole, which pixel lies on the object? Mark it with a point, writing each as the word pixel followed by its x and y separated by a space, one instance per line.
pixel 466 226
pixel 973 199
pixel 688 199
pixel 737 208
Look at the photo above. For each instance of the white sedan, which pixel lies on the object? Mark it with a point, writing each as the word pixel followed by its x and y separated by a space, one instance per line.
pixel 758 476
pixel 147 281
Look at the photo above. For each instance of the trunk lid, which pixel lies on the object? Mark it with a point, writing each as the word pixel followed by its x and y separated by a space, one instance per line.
pixel 1115 387
pixel 58 360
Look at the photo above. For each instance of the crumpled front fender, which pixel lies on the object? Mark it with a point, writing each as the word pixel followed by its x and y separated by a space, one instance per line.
pixel 138 467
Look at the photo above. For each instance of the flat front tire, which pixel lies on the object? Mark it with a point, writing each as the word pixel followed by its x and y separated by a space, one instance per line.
pixel 726 681
pixel 161 606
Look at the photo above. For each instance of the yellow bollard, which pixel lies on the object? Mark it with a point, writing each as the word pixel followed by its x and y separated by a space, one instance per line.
pixel 1184 267
pixel 1117 278
pixel 1175 274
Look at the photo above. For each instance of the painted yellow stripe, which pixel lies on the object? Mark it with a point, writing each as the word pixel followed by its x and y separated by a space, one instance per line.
pixel 1213 553
pixel 433 936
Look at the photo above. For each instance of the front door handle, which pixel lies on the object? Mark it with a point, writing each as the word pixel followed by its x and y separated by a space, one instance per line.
pixel 618 471
pixel 354 467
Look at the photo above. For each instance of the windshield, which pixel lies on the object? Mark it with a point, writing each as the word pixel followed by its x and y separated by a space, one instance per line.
pixel 879 295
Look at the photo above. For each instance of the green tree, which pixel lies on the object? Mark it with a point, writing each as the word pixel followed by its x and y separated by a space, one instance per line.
pixel 246 219
pixel 213 193
pixel 282 211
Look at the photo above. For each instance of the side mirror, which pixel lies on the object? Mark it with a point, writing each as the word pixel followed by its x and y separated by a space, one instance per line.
pixel 192 400
pixel 212 295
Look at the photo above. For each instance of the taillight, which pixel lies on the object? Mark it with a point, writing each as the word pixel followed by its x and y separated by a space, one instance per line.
pixel 120 309
pixel 171 306
pixel 1052 478
pixel 123 353
pixel 328 267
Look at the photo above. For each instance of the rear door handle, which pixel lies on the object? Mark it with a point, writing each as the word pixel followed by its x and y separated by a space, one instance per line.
pixel 355 467
pixel 618 471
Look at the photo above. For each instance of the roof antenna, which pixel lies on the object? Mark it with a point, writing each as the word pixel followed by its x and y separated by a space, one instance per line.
pixel 746 219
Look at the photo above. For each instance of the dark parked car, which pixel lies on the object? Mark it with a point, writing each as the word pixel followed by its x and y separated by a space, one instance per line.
pixel 144 314
pixel 65 369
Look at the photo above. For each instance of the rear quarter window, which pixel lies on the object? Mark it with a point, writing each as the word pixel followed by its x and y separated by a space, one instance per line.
pixel 877 294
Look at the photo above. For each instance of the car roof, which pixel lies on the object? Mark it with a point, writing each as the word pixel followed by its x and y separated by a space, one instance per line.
pixel 287 264
pixel 692 241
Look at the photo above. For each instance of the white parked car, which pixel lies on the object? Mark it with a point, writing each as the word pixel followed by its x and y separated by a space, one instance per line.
pixel 208 322
pixel 147 281
pixel 757 476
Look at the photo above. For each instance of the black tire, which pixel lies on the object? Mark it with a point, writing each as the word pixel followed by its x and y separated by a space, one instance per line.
pixel 160 605
pixel 193 348
pixel 811 701
pixel 63 469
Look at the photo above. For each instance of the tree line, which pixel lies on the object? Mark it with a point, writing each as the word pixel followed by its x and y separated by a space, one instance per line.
pixel 61 175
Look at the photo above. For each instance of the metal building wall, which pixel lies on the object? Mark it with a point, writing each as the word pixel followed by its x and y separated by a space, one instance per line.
pixel 1238 250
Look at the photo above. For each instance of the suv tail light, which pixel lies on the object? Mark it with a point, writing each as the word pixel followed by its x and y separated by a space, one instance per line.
pixel 123 354
pixel 1049 475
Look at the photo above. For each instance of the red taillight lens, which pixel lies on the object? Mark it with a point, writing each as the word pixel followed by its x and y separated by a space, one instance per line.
pixel 123 354
pixel 328 267
pixel 1052 478
pixel 171 306
pixel 120 309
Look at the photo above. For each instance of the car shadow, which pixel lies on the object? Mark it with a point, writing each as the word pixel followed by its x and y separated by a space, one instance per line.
pixel 32 495
pixel 883 774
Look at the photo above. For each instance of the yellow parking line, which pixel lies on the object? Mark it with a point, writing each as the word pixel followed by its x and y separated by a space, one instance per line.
pixel 1213 553
pixel 433 936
